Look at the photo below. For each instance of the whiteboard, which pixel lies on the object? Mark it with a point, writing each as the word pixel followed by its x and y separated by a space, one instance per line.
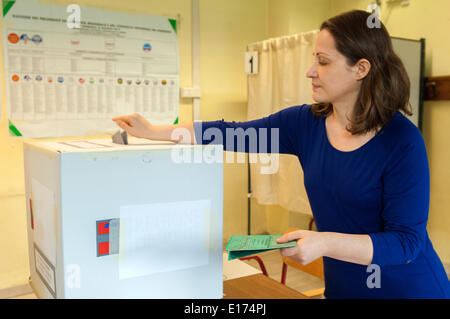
pixel 411 52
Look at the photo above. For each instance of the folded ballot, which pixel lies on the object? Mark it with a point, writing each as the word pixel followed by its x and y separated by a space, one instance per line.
pixel 242 246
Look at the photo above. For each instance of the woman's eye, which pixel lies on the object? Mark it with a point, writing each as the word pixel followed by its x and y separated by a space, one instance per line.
pixel 322 63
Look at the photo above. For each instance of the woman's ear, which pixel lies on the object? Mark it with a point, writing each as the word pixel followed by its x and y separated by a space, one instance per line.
pixel 362 68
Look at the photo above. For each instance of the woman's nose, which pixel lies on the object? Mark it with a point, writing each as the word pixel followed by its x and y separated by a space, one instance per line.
pixel 312 72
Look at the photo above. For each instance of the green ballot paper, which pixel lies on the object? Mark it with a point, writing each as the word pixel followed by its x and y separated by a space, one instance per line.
pixel 242 246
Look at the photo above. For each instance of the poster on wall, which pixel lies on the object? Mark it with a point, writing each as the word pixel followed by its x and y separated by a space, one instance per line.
pixel 70 69
pixel 1 97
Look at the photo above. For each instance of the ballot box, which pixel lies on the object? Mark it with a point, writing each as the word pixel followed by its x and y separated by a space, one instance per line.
pixel 142 220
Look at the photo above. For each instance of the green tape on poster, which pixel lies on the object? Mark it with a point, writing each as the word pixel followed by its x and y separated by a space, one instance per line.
pixel 14 129
pixel 7 4
pixel 173 23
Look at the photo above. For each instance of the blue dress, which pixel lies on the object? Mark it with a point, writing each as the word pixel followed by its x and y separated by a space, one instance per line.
pixel 381 189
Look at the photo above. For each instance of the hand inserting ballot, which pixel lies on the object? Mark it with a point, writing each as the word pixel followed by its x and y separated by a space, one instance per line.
pixel 134 124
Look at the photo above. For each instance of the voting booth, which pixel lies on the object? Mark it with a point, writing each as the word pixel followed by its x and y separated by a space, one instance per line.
pixel 124 221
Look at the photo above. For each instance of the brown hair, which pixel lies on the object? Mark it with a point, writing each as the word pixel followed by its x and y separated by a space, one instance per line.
pixel 386 87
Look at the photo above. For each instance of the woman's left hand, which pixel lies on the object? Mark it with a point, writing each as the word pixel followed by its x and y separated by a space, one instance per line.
pixel 311 245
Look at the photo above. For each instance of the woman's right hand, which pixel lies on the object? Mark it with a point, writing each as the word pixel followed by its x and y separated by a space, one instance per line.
pixel 134 124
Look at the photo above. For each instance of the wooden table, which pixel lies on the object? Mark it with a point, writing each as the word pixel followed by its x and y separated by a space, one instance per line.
pixel 258 287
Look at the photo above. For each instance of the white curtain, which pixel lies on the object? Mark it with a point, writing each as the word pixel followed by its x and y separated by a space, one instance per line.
pixel 281 82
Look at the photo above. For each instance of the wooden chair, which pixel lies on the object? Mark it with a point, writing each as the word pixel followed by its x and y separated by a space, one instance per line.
pixel 315 268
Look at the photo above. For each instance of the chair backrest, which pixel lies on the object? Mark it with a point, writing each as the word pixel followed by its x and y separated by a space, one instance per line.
pixel 315 268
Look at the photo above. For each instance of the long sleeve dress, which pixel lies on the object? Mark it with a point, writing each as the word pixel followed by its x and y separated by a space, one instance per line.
pixel 381 189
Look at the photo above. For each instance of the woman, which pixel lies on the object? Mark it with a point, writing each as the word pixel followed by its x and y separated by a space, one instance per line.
pixel 365 167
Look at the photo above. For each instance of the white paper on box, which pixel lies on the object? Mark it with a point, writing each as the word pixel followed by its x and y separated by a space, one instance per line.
pixel 45 270
pixel 44 219
pixel 162 237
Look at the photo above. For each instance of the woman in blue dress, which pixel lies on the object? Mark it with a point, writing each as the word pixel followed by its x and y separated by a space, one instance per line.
pixel 365 165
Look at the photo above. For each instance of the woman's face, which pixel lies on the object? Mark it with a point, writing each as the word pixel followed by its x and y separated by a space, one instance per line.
pixel 333 80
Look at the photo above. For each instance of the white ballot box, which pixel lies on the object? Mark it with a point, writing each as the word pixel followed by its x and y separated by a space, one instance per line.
pixel 124 221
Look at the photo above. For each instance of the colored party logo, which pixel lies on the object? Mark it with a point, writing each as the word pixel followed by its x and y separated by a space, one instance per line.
pixel 38 78
pixel 15 78
pixel 13 38
pixel 163 82
pixel 25 38
pixel 119 81
pixel 138 82
pixel 60 79
pixel 37 39
pixel 27 78
pixel 147 47
pixel 81 80
pixel 129 82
